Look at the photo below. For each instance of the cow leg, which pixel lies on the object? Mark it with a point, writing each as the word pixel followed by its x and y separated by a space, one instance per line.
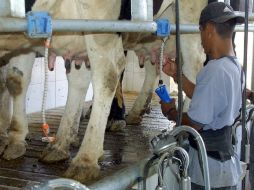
pixel 116 119
pixel 144 98
pixel 5 110
pixel 78 83
pixel 18 79
pixel 107 62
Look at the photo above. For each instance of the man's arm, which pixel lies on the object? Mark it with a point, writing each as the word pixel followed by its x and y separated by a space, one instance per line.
pixel 169 68
pixel 185 119
pixel 169 111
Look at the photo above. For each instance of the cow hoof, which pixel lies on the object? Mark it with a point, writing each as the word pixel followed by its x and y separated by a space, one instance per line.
pixel 3 143
pixel 53 154
pixel 83 172
pixel 15 150
pixel 133 120
pixel 116 125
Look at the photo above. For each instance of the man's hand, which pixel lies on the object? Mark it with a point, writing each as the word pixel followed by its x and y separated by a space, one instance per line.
pixel 169 67
pixel 166 108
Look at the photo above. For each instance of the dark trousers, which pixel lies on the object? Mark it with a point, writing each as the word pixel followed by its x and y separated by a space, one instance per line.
pixel 198 187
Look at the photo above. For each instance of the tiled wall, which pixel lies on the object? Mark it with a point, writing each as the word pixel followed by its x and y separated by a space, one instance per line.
pixel 57 87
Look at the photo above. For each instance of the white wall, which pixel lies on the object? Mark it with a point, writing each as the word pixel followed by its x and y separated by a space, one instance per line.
pixel 57 87
pixel 134 75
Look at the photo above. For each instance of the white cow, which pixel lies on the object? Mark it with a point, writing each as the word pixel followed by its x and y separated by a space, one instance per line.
pixel 69 45
pixel 192 52
pixel 105 52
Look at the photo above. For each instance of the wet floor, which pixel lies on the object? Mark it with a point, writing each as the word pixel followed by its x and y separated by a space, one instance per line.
pixel 121 148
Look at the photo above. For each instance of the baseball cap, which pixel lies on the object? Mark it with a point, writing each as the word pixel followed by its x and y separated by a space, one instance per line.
pixel 219 12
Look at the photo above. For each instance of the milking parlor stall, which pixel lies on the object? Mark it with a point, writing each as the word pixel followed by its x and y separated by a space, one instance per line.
pixel 80 86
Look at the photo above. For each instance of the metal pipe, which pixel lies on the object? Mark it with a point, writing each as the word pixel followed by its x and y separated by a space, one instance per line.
pixel 202 149
pixel 252 72
pixel 78 25
pixel 20 25
pixel 4 7
pixel 125 178
pixel 149 10
pixel 179 66
pixel 103 26
pixel 227 2
pixel 141 10
pixel 13 24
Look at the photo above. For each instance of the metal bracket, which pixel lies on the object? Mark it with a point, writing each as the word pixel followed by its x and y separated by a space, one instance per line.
pixel 39 25
pixel 163 27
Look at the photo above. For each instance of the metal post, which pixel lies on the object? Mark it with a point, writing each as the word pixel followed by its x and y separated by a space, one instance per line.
pixel 252 73
pixel 12 8
pixel 227 2
pixel 243 78
pixel 142 10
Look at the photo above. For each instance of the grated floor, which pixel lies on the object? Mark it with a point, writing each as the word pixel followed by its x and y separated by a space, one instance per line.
pixel 121 148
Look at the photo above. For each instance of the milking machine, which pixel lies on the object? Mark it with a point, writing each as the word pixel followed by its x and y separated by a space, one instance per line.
pixel 237 138
pixel 165 146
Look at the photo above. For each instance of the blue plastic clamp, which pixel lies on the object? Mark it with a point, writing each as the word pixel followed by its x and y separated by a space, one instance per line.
pixel 163 27
pixel 39 25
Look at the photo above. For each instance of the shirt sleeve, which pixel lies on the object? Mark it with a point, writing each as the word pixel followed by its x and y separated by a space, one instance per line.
pixel 209 98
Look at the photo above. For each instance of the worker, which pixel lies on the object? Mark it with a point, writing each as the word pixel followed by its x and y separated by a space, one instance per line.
pixel 216 99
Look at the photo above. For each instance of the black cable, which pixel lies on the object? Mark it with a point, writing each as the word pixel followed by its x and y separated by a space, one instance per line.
pixel 179 66
pixel 244 133
pixel 251 164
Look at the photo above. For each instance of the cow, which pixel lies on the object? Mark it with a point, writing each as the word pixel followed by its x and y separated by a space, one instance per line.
pixel 84 166
pixel 106 49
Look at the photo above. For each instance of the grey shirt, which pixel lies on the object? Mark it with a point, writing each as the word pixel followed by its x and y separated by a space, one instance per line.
pixel 215 103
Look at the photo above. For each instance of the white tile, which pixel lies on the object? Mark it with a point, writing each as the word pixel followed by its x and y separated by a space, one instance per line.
pixel 138 80
pixel 51 95
pixel 60 69
pixel 34 98
pixel 36 77
pixel 61 93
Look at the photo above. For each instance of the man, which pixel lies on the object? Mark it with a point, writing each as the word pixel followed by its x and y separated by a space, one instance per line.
pixel 216 99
